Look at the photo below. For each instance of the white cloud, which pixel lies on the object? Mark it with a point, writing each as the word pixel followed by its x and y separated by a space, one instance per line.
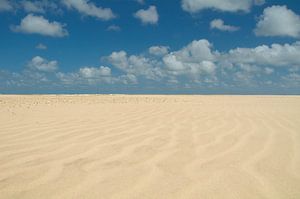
pixel 33 24
pixel 195 60
pixel 253 66
pixel 196 64
pixel 41 46
pixel 194 6
pixel 93 76
pixel 39 6
pixel 92 72
pixel 172 63
pixel 88 8
pixel 199 63
pixel 149 16
pixel 278 21
pixel 136 65
pixel 33 6
pixel 128 79
pixel 119 59
pixel 291 80
pixel 40 64
pixel 196 51
pixel 276 55
pixel 29 6
pixel 158 50
pixel 114 28
pixel 269 71
pixel 68 78
pixel 219 24
pixel 5 5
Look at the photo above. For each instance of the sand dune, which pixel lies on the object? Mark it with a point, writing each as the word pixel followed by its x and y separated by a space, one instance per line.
pixel 94 146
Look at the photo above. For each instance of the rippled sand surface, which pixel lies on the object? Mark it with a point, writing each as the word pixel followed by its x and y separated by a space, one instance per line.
pixel 140 147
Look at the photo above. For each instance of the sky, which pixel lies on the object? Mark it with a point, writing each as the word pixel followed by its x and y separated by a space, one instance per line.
pixel 150 46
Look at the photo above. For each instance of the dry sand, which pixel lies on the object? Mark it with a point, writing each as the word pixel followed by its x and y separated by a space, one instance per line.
pixel 139 147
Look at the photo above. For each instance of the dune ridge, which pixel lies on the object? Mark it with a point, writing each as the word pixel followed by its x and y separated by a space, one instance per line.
pixel 149 146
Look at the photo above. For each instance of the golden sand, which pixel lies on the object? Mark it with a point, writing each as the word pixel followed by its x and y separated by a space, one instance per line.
pixel 140 147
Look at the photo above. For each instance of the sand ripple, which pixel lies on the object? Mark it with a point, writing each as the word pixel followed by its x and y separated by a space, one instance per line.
pixel 117 146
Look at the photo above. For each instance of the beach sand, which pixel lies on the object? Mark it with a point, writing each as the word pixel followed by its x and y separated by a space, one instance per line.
pixel 140 147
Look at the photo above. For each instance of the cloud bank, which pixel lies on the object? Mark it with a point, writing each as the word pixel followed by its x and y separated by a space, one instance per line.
pixel 196 65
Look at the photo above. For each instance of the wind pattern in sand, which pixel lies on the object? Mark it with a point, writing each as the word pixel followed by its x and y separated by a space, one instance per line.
pixel 89 146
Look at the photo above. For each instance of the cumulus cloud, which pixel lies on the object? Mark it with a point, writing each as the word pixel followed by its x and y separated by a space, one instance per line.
pixel 219 24
pixel 114 28
pixel 5 5
pixel 196 64
pixel 136 65
pixel 276 55
pixel 254 65
pixel 43 65
pixel 194 6
pixel 33 6
pixel 41 46
pixel 128 79
pixel 68 78
pixel 268 70
pixel 90 9
pixel 94 75
pixel 195 61
pixel 278 21
pixel 291 80
pixel 33 24
pixel 92 72
pixel 30 6
pixel 196 51
pixel 119 59
pixel 38 6
pixel 158 50
pixel 148 16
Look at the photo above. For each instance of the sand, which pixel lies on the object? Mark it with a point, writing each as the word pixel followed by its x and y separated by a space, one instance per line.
pixel 140 147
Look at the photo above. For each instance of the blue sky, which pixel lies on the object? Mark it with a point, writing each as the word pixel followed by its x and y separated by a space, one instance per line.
pixel 150 46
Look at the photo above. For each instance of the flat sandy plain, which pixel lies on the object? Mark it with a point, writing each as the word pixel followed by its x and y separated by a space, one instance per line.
pixel 140 147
